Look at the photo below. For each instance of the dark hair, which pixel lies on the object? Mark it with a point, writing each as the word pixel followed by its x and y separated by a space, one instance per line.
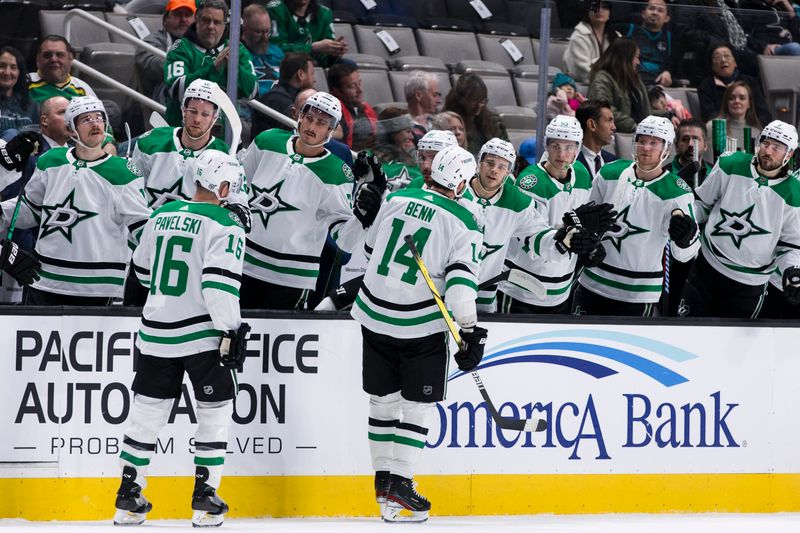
pixel 655 92
pixel 715 47
pixel 338 72
pixel 291 63
pixel 692 123
pixel 55 38
pixel 590 109
pixel 587 10
pixel 750 116
pixel 21 87
pixel 617 60
pixel 470 86
pixel 313 7
pixel 213 4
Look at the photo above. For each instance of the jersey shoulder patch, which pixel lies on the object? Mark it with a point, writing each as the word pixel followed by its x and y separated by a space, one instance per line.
pixel 669 187
pixel 527 182
pixel 348 172
pixel 272 4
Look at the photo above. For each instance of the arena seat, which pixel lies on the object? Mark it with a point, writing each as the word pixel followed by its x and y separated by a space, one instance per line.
pixel 397 79
pixel 516 117
pixel 357 9
pixel 367 61
pixel 517 137
pixel 19 24
pixel 376 86
pixel 480 67
pixel 115 60
pixel 450 46
pixel 341 29
pixel 369 43
pixel 527 91
pixel 499 89
pixel 528 70
pixel 492 50
pixel 153 22
pixel 320 79
pixel 555 52
pixel 83 32
pixel 624 145
pixel 428 63
pixel 380 106
pixel 498 22
pixel 780 76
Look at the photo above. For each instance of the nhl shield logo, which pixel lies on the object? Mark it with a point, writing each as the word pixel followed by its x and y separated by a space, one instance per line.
pixel 427 390
pixel 208 390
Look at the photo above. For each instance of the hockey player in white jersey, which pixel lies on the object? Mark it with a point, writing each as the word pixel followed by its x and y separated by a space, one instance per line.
pixel 556 185
pixel 405 354
pixel 751 209
pixel 300 193
pixel 86 204
pixel 190 260
pixel 654 206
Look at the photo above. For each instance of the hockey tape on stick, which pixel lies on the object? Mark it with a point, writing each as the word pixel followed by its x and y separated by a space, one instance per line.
pixel 157 121
pixel 519 278
pixel 231 115
pixel 502 422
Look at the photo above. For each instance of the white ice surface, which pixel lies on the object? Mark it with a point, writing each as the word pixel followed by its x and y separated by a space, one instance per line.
pixel 640 523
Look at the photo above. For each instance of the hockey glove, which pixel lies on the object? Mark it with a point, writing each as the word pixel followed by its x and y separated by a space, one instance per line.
pixel 471 353
pixel 576 240
pixel 232 347
pixel 682 229
pixel 242 213
pixel 596 218
pixel 367 204
pixel 594 258
pixel 791 285
pixel 20 264
pixel 16 152
pixel 368 169
pixel 342 296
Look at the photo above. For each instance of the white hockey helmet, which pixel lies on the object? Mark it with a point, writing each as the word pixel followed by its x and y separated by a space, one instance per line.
pixel 563 128
pixel 80 105
pixel 212 168
pixel 500 148
pixel 659 127
pixel 326 103
pixel 452 167
pixel 437 140
pixel 200 90
pixel 782 132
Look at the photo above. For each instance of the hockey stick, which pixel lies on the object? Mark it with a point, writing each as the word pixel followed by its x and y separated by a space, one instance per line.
pixel 503 422
pixel 519 278
pixel 157 121
pixel 128 134
pixel 231 116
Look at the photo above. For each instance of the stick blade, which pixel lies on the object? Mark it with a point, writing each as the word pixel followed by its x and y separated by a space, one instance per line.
pixel 157 121
pixel 528 282
pixel 533 425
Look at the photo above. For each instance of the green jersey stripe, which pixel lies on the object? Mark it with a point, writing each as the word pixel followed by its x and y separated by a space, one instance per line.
pixel 413 321
pixel 283 270
pixel 179 339
pixel 96 280
pixel 623 286
pixel 221 286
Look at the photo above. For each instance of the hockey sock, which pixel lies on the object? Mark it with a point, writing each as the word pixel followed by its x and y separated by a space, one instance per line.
pixel 211 438
pixel 384 416
pixel 409 437
pixel 148 416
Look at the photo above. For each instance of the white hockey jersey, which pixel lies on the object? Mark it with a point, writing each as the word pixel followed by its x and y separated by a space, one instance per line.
pixel 551 199
pixel 752 222
pixel 190 258
pixel 295 201
pixel 163 161
pixel 394 298
pixel 85 212
pixel 632 270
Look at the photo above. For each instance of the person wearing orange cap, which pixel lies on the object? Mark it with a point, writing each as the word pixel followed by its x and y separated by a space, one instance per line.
pixel 178 16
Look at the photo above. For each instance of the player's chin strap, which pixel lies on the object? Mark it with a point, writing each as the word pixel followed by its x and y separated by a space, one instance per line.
pixel 77 140
pixel 488 192
pixel 657 169
pixel 216 117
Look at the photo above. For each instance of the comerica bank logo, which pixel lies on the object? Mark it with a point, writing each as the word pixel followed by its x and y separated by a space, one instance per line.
pixel 597 353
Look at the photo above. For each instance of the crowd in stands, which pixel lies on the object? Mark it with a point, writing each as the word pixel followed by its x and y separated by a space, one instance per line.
pixel 617 66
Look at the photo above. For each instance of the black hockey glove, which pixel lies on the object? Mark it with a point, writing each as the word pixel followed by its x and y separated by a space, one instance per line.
pixel 791 285
pixel 345 294
pixel 682 229
pixel 16 152
pixel 474 342
pixel 593 258
pixel 20 264
pixel 368 169
pixel 367 204
pixel 242 212
pixel 596 218
pixel 576 240
pixel 232 347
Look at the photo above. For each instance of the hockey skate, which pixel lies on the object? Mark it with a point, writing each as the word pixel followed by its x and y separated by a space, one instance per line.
pixel 209 509
pixel 404 503
pixel 381 487
pixel 132 506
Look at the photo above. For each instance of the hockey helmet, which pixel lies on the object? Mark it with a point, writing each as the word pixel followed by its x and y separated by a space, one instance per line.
pixel 437 140
pixel 83 104
pixel 563 128
pixel 326 103
pixel 500 148
pixel 782 132
pixel 452 167
pixel 201 90
pixel 212 168
pixel 659 127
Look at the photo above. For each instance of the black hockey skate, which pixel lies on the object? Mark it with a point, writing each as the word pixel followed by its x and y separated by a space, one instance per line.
pixel 209 509
pixel 381 487
pixel 404 503
pixel 132 507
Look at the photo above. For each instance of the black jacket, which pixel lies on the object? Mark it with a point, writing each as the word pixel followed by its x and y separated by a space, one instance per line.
pixel 710 94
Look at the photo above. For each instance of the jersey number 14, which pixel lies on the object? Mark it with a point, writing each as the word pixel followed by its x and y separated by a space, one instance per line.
pixel 403 254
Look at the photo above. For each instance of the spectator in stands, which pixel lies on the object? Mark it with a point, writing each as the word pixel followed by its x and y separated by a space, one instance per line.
pixel 395 148
pixel 587 42
pixel 17 110
pixel 306 26
pixel 724 71
pixel 615 79
pixel 564 97
pixel 688 132
pixel 451 121
pixel 52 125
pixel 266 56
pixel 296 75
pixel 345 84
pixel 202 53
pixel 774 26
pixel 739 112
pixel 53 64
pixel 597 122
pixel 178 16
pixel 657 61
pixel 423 98
pixel 469 98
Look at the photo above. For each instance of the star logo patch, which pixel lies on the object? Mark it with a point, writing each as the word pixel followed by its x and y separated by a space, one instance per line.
pixel 737 226
pixel 267 202
pixel 622 229
pixel 489 249
pixel 63 217
pixel 158 197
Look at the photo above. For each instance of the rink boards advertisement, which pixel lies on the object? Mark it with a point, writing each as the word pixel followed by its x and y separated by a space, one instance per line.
pixel 621 402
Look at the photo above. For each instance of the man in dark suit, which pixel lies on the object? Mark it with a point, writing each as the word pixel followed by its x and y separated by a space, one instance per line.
pixel 597 122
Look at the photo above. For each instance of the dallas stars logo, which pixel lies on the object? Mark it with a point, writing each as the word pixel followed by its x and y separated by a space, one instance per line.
pixel 737 226
pixel 489 249
pixel 63 217
pixel 159 197
pixel 622 229
pixel 267 202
